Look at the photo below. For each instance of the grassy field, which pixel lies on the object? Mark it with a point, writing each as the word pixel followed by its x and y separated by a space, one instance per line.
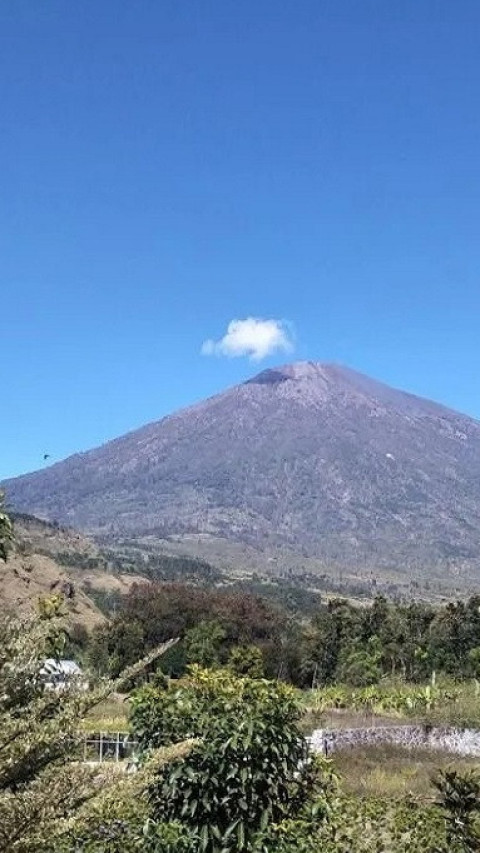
pixel 393 771
pixel 389 771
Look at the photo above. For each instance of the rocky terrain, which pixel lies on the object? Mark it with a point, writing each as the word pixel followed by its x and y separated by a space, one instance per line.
pixel 307 465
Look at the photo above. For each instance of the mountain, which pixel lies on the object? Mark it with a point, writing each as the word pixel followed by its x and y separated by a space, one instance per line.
pixel 306 465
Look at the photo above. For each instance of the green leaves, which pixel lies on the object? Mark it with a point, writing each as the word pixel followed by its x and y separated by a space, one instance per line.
pixel 460 799
pixel 250 765
pixel 394 700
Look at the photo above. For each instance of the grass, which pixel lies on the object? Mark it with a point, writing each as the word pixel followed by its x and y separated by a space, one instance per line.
pixel 394 771
pixel 346 718
pixel 463 710
pixel 111 715
pixel 447 704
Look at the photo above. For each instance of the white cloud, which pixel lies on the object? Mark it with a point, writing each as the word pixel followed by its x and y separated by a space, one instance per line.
pixel 251 337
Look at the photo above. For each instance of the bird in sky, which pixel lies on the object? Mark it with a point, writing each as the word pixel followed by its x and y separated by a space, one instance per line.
pixel 46 456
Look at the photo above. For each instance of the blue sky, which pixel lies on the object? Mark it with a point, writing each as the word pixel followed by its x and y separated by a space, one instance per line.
pixel 168 167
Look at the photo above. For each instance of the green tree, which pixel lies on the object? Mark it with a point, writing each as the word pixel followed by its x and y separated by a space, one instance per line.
pixel 250 767
pixel 474 659
pixel 152 613
pixel 359 667
pixel 203 643
pixel 116 646
pixel 246 660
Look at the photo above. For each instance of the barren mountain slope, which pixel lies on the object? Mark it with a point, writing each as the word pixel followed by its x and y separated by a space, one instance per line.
pixel 314 459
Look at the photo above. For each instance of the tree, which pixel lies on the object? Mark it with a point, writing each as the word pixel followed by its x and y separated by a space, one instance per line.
pixel 359 667
pixel 249 768
pixel 116 646
pixel 474 660
pixel 246 660
pixel 152 613
pixel 203 643
pixel 6 530
pixel 39 783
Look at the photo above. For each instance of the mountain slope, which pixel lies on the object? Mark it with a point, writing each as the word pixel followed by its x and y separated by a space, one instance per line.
pixel 307 459
pixel 49 560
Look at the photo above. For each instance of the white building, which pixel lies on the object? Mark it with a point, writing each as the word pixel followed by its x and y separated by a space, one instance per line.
pixel 59 674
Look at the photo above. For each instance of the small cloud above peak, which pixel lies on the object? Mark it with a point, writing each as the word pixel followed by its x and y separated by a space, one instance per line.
pixel 252 337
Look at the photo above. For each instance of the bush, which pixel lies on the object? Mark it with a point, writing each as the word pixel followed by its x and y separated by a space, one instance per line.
pixel 119 820
pixel 460 800
pixel 41 788
pixel 249 768
pixel 246 660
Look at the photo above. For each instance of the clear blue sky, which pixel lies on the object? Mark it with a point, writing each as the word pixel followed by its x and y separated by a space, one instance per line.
pixel 169 166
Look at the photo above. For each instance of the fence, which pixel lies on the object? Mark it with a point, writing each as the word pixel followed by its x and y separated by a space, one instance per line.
pixel 108 746
pixel 458 741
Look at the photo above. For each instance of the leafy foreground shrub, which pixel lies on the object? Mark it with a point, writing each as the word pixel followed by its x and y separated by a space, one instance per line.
pixel 381 825
pixel 368 826
pixel 250 767
pixel 118 820
pixel 460 799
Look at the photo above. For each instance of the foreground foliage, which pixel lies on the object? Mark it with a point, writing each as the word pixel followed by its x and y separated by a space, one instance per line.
pixel 244 783
pixel 250 768
pixel 40 785
pixel 119 819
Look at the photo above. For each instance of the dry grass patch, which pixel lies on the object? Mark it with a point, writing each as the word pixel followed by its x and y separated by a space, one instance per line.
pixel 111 715
pixel 394 771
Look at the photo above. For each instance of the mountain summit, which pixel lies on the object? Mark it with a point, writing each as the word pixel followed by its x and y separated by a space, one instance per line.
pixel 309 460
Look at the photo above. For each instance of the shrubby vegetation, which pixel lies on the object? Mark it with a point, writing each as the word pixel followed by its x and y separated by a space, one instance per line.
pixel 37 787
pixel 223 759
pixel 383 700
pixel 43 785
pixel 250 767
pixel 225 768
